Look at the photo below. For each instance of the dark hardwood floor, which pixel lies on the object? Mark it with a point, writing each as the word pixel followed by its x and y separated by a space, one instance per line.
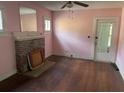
pixel 72 75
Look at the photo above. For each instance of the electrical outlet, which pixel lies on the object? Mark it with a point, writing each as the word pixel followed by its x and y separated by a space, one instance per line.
pixel 71 56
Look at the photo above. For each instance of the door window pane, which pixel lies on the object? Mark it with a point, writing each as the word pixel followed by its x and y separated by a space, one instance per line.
pixel 104 34
pixel 110 35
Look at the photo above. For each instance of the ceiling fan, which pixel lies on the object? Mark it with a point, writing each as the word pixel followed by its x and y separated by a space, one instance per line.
pixel 70 4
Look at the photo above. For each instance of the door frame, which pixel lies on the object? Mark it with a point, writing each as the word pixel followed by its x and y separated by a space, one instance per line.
pixel 94 34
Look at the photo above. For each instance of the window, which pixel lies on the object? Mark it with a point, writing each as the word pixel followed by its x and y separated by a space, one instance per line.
pixel 110 35
pixel 28 19
pixel 1 21
pixel 47 23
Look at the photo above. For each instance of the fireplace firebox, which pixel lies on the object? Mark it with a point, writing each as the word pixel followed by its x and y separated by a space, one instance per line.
pixel 36 58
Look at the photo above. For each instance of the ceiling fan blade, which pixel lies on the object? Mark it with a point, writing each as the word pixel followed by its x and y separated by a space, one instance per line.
pixel 81 4
pixel 64 5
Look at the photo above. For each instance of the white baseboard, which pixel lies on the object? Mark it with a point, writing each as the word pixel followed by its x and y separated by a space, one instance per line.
pixel 74 56
pixel 8 74
pixel 121 69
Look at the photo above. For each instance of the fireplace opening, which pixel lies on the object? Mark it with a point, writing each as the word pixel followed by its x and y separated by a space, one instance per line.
pixel 36 58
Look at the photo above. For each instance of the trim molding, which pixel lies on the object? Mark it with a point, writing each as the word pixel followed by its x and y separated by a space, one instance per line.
pixel 120 68
pixel 8 74
pixel 75 57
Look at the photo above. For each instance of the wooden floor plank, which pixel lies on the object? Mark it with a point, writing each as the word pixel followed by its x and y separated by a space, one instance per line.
pixel 75 75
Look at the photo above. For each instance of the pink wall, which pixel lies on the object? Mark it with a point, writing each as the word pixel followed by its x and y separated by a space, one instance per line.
pixel 7 56
pixel 120 54
pixel 12 23
pixel 41 12
pixel 12 19
pixel 11 16
pixel 70 34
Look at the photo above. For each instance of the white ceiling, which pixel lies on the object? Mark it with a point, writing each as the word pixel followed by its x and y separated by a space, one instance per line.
pixel 56 5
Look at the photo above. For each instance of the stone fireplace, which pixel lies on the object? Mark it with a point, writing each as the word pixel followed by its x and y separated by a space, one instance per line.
pixel 29 50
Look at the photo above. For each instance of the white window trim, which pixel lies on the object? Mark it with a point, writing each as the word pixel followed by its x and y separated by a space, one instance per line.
pixel 49 19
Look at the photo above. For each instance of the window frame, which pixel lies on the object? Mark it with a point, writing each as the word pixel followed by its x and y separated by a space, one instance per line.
pixel 47 18
pixel 21 20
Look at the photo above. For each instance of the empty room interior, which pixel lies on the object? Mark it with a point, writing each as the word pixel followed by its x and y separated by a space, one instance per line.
pixel 62 46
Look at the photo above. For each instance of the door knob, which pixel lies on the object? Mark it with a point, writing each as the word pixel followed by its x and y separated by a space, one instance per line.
pixel 96 37
pixel 107 49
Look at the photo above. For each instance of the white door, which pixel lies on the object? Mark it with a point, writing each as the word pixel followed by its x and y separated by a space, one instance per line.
pixel 106 40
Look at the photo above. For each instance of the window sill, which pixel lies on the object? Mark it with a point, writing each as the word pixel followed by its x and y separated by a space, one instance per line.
pixel 47 33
